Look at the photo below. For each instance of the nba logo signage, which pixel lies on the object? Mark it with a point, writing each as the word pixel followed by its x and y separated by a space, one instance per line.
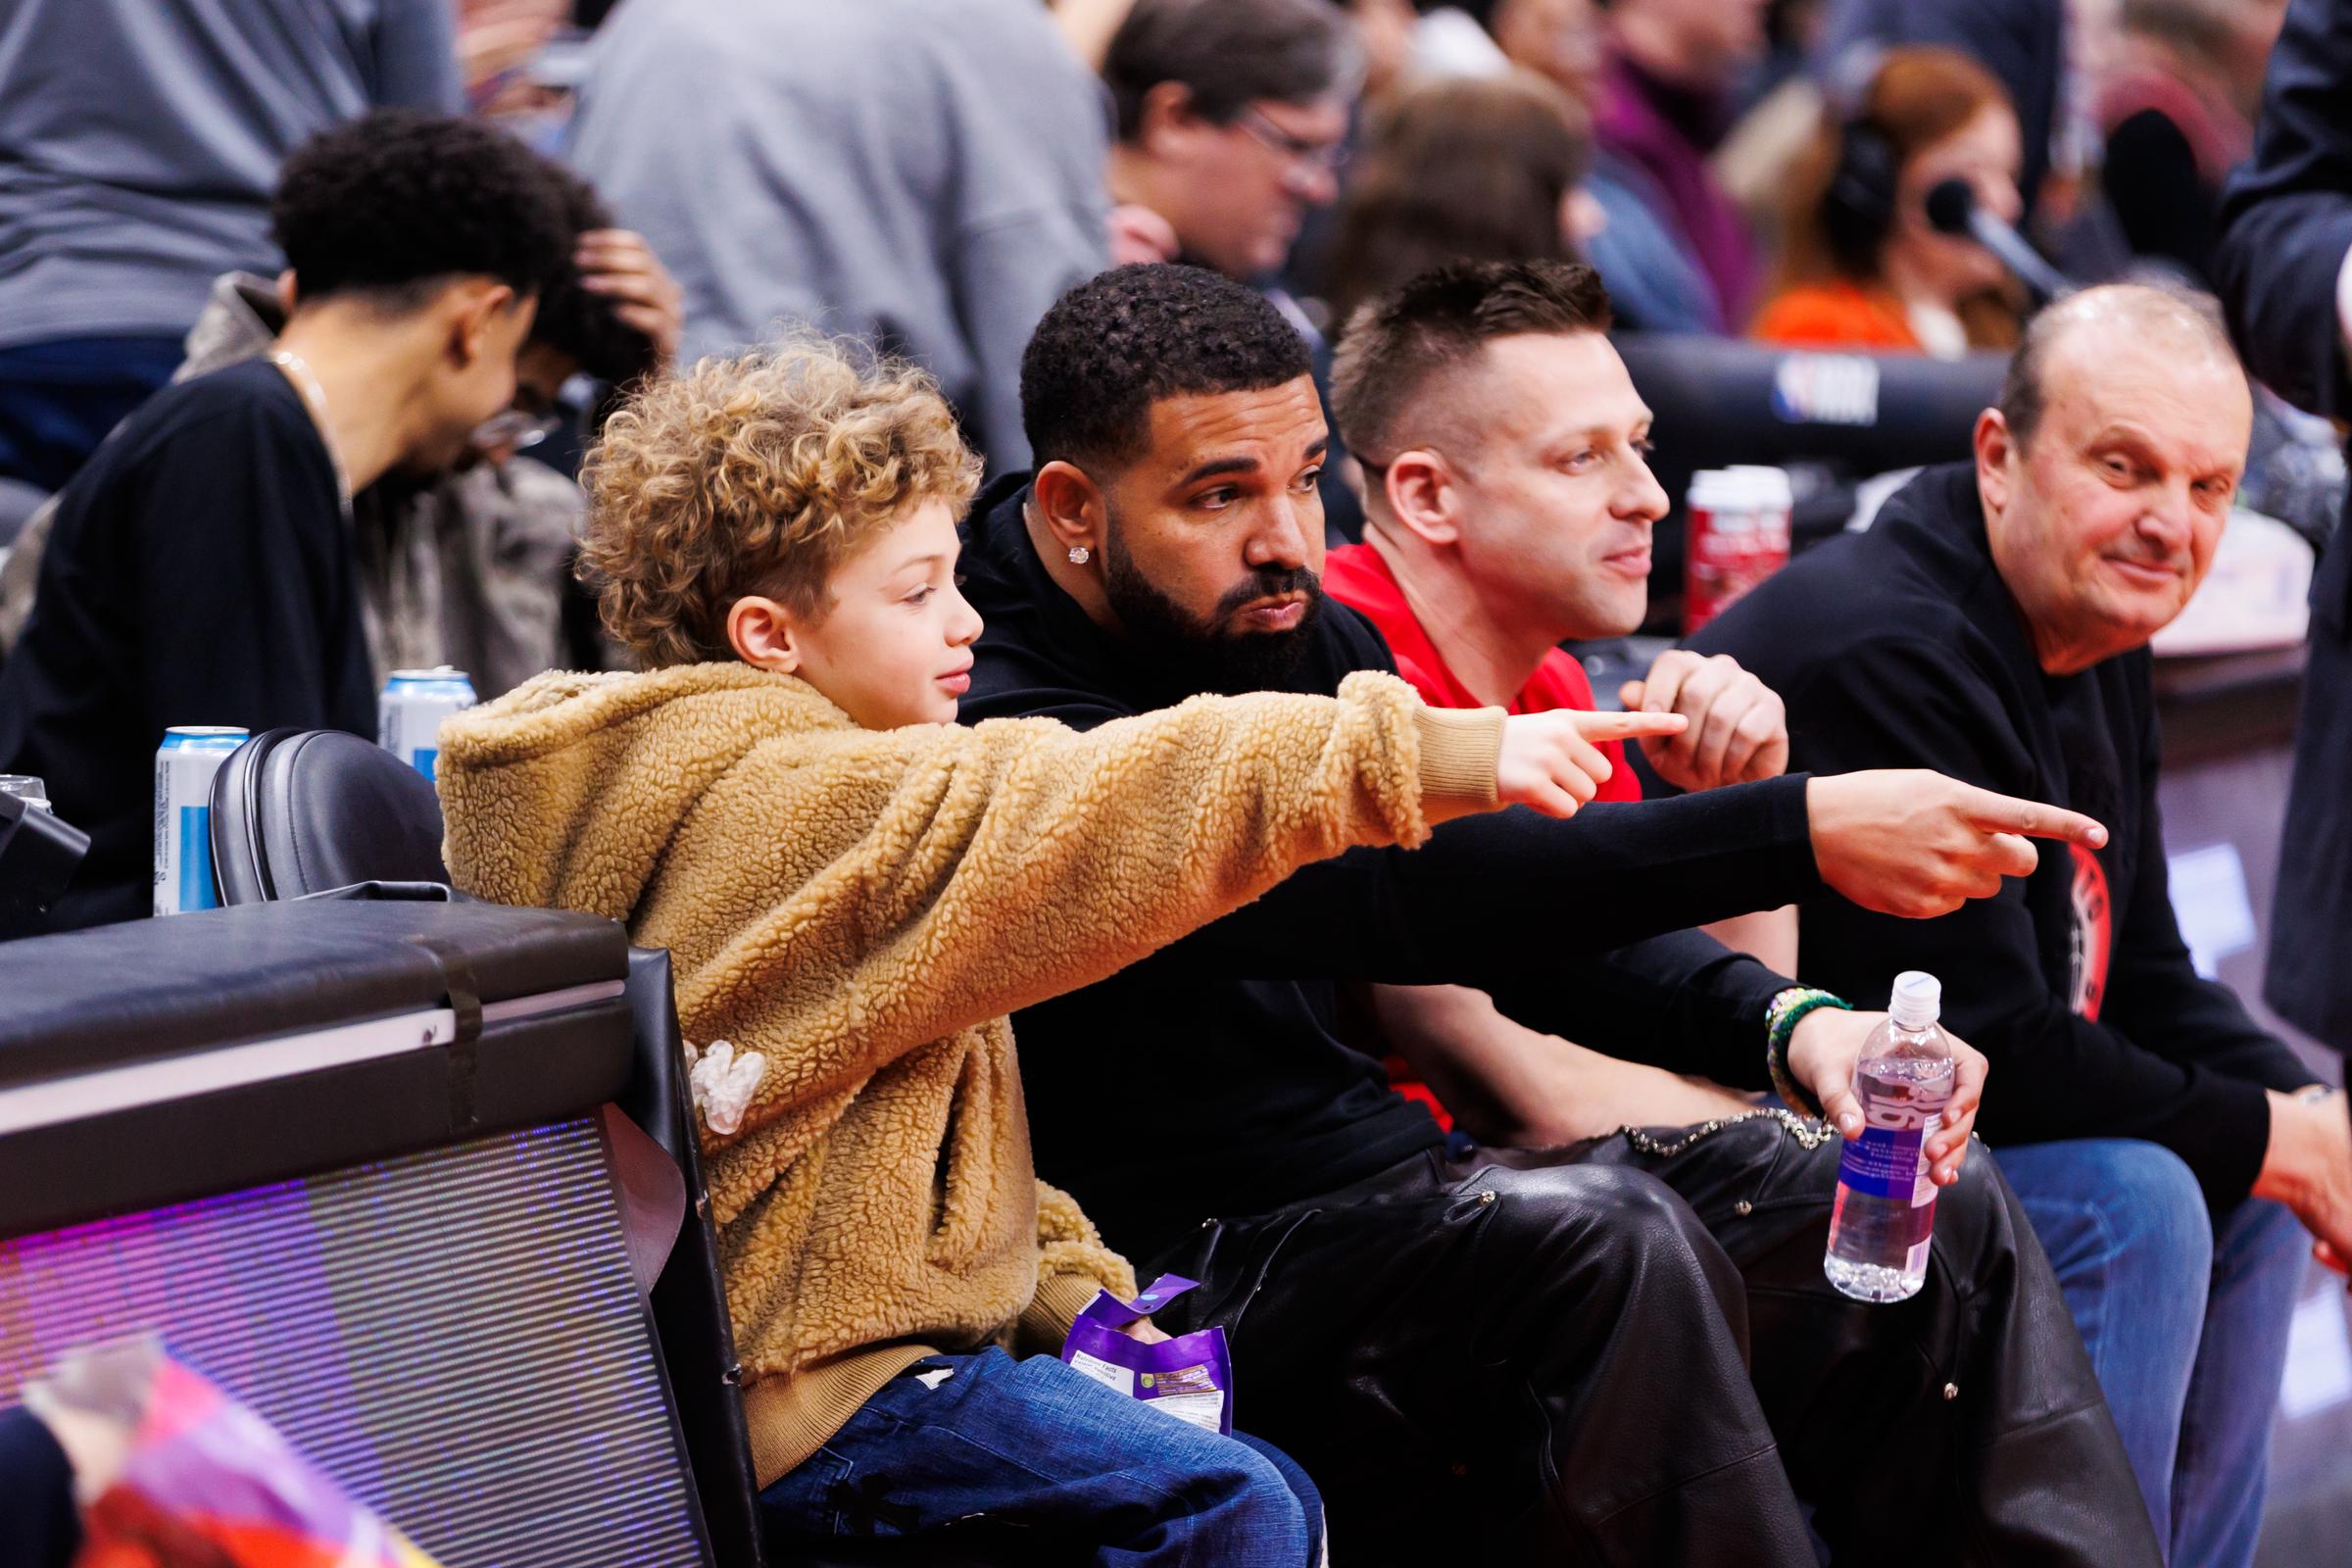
pixel 1827 389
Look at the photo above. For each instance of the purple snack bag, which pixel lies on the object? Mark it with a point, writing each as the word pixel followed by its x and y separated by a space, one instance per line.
pixel 1189 1377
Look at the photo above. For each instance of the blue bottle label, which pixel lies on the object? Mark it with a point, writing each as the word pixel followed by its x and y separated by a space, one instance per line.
pixel 1884 1163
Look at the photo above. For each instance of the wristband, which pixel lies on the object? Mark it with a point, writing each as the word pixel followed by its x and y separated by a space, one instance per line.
pixel 1788 1011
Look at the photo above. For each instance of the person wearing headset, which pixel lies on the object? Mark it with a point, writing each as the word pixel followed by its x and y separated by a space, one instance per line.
pixel 1861 266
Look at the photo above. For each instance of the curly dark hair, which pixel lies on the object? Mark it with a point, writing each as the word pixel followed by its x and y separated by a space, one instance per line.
pixel 582 325
pixel 1398 343
pixel 1122 341
pixel 398 199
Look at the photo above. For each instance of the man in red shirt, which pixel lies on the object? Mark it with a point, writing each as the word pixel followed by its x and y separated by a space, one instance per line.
pixel 1360 575
pixel 1508 509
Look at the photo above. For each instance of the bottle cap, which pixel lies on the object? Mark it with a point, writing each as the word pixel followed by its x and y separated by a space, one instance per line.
pixel 1714 490
pixel 1769 488
pixel 1918 998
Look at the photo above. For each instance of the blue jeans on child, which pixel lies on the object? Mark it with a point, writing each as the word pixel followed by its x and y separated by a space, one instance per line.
pixel 1033 1444
pixel 2185 1325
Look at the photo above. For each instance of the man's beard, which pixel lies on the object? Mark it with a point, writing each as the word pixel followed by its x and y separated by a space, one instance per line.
pixel 1197 652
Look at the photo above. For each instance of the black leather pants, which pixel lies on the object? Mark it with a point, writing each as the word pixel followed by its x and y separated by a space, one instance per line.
pixel 1545 1357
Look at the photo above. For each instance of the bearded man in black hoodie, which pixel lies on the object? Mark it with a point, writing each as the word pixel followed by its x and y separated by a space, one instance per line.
pixel 1542 1355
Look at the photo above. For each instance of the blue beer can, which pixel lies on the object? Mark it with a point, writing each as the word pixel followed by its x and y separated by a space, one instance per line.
pixel 184 765
pixel 408 715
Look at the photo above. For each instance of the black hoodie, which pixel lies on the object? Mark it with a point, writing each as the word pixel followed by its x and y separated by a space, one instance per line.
pixel 1902 647
pixel 1207 1080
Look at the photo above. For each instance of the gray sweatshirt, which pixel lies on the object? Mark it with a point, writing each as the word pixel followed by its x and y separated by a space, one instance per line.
pixel 927 174
pixel 140 139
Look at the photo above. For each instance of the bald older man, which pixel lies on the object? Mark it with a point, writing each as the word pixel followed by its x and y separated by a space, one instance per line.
pixel 1993 624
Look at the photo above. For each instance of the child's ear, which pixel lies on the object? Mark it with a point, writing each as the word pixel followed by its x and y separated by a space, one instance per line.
pixel 763 634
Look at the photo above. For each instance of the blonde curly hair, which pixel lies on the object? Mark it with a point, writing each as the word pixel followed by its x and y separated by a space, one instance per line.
pixel 757 474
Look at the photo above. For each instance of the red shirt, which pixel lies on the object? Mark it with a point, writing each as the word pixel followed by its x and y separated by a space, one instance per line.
pixel 1356 576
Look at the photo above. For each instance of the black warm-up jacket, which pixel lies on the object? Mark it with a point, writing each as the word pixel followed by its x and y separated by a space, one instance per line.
pixel 1207 1079
pixel 1902 647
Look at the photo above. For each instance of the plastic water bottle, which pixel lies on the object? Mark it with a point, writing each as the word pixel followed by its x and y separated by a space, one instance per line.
pixel 1885 1202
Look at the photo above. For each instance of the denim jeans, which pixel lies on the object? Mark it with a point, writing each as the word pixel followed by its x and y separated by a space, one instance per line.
pixel 1031 1444
pixel 2185 1325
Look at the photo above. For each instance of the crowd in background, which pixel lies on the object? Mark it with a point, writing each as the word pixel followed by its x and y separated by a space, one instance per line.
pixel 1755 168
pixel 1751 168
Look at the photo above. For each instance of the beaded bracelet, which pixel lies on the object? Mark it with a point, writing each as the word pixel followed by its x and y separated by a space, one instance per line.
pixel 1788 1011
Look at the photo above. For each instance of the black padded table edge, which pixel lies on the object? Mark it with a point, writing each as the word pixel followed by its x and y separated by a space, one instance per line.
pixel 119 993
pixel 151 991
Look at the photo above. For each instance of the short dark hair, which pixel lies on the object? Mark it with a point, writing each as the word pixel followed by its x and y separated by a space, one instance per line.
pixel 584 325
pixel 396 201
pixel 1122 341
pixel 1230 54
pixel 2156 304
pixel 1397 342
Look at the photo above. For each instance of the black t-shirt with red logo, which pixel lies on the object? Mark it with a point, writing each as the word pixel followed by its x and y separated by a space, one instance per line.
pixel 1902 647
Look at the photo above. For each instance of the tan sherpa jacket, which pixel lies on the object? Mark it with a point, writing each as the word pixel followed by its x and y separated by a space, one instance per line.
pixel 863 907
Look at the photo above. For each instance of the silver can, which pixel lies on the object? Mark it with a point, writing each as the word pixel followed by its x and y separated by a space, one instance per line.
pixel 408 715
pixel 184 765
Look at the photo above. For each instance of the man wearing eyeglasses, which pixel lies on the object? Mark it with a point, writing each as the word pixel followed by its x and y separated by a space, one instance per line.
pixel 1231 123
pixel 471 566
pixel 467 565
pixel 243 547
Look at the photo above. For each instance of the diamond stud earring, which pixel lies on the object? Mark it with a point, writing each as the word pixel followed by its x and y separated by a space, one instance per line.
pixel 1079 555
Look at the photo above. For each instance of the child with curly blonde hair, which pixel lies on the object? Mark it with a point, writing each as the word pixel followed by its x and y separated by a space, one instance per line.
pixel 855 892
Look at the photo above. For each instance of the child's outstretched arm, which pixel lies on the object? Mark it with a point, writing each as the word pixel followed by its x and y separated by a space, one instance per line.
pixel 1019 859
